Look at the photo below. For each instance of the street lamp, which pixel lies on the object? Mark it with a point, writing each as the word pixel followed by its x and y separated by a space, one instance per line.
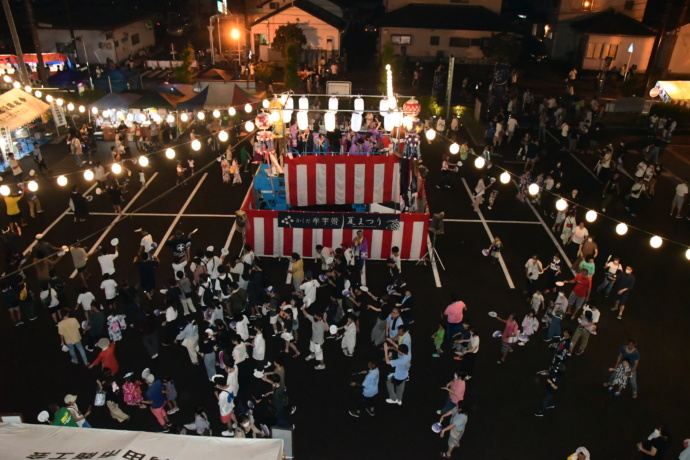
pixel 235 34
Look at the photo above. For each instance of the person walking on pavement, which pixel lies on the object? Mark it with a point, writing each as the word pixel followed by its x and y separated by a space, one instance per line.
pixel 458 421
pixel 580 293
pixel 679 199
pixel 80 259
pixel 631 354
pixel 68 328
pixel 533 268
pixel 14 214
pixel 15 167
pixel 370 388
pixel 554 381
pixel 625 284
pixel 32 200
pixel 509 336
pixel 318 327
pixel 77 203
pixel 396 382
pixel 38 158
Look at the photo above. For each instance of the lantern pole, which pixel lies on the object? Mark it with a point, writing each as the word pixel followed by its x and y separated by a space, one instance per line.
pixel 449 87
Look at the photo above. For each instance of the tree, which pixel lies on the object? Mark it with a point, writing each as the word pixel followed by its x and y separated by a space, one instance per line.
pixel 503 47
pixel 183 72
pixel 387 58
pixel 289 34
pixel 289 40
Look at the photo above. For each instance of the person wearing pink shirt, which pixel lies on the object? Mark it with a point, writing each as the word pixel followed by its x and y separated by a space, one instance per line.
pixel 454 313
pixel 508 337
pixel 456 392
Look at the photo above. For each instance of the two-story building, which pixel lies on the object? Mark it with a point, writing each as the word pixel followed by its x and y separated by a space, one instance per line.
pixel 587 32
pixel 428 29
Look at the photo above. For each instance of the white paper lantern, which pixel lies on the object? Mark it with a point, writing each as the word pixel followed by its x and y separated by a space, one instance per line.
pixel 359 105
pixel 275 116
pixel 49 98
pixel 454 148
pixel 116 168
pixel 289 104
pixel 249 126
pixel 621 229
pixel 223 136
pixel 687 254
pixel 130 117
pixel 430 134
pixel 216 113
pixel 561 204
pixel 265 103
pixel 59 102
pixel 303 103
pixel 383 107
pixel 196 145
pixel 479 162
pixel 7 79
pixel 70 106
pixel 356 122
pixel 591 216
pixel 88 175
pixel 32 185
pixel 655 242
pixel 329 121
pixel 201 115
pixel 302 120
pixel 28 88
pixel 504 177
pixel 248 108
pixel 143 161
pixel 16 84
pixel 232 111
pixel 94 110
pixel 4 190
pixel 170 153
pixel 184 117
pixel 37 93
pixel 170 119
pixel 388 122
pixel 82 109
pixel 287 116
pixel 333 104
pixel 392 102
pixel 62 181
pixel 533 189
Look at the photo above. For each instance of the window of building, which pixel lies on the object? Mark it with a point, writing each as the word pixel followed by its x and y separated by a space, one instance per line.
pixel 629 5
pixel 601 51
pixel 401 39
pixel 459 42
pixel 135 39
pixel 587 5
pixel 460 1
pixel 476 42
pixel 263 40
pixel 435 40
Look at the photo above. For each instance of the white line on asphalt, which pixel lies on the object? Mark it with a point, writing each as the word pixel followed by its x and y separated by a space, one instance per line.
pixel 491 237
pixel 493 221
pixel 432 257
pixel 156 214
pixel 179 214
pixel 548 230
pixel 117 219
pixel 591 173
pixel 59 218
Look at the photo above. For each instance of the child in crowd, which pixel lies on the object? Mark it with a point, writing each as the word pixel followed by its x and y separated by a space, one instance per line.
pixel 495 250
pixel 349 336
pixel 201 424
pixel 551 272
pixel 131 392
pixel 492 196
pixel 530 324
pixel 537 301
pixel 438 337
pixel 170 394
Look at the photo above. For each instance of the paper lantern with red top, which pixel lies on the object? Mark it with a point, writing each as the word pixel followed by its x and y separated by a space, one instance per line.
pixel 262 121
pixel 412 107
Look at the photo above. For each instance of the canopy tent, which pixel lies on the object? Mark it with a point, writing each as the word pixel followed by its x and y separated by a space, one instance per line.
pixel 117 80
pixel 67 78
pixel 219 96
pixel 117 101
pixel 21 440
pixel 153 100
pixel 673 90
pixel 215 75
pixel 17 108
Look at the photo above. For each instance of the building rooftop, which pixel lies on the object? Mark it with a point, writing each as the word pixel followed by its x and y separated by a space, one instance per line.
pixel 105 20
pixel 611 22
pixel 452 17
pixel 310 8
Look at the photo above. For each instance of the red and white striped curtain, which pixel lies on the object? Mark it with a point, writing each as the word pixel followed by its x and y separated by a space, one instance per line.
pixel 316 179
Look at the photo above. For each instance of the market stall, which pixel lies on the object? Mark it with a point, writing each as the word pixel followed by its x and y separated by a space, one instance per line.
pixel 21 440
pixel 18 109
pixel 677 91
pixel 110 110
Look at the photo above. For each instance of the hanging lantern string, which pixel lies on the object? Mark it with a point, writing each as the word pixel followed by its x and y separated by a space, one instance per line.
pixel 131 213
pixel 570 202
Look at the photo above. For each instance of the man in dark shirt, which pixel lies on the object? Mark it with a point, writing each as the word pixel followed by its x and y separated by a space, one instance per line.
pixel 554 381
pixel 150 334
pixel 624 284
pixel 96 328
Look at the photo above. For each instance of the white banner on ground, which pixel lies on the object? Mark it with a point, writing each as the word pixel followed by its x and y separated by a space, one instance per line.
pixel 21 440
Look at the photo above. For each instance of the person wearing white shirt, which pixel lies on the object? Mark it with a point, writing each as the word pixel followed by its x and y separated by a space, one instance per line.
pixel 679 198
pixel 242 328
pixel 84 300
pixel 146 244
pixel 395 255
pixel 239 353
pixel 109 287
pixel 107 261
pixel 512 124
pixel 479 191
pixel 258 347
pixel 325 254
pixel 248 257
pixel 238 269
pixel 309 287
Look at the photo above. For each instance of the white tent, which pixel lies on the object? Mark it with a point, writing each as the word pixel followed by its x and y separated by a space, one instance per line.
pixel 20 440
pixel 17 108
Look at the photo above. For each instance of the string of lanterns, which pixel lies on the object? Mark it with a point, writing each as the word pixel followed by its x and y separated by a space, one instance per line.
pixel 655 241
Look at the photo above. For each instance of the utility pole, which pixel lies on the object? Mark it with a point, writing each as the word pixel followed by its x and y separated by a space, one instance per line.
pixel 68 12
pixel 23 73
pixel 655 50
pixel 449 87
pixel 40 66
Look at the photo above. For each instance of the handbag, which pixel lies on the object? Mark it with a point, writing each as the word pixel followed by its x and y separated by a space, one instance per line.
pixel 99 400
